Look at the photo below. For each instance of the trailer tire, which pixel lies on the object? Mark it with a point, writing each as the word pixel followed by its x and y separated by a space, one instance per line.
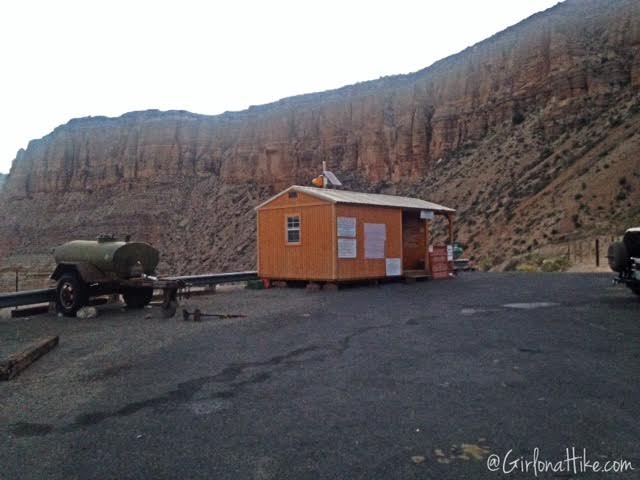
pixel 71 294
pixel 618 257
pixel 136 298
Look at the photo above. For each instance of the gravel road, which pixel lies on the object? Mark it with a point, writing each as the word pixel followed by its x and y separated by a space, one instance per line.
pixel 423 380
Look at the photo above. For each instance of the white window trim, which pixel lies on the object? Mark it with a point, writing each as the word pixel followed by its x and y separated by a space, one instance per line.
pixel 288 229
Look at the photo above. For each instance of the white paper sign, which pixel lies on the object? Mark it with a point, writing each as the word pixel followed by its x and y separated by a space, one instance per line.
pixel 375 230
pixel 394 267
pixel 346 226
pixel 374 240
pixel 426 215
pixel 449 253
pixel 346 248
pixel 375 235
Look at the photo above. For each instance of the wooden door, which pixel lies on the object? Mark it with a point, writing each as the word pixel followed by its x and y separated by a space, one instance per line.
pixel 413 241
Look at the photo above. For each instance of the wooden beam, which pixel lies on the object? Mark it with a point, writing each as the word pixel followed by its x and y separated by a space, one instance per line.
pixel 13 365
pixel 427 242
pixel 450 220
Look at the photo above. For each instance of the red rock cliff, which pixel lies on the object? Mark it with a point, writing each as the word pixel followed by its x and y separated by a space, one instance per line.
pixel 459 132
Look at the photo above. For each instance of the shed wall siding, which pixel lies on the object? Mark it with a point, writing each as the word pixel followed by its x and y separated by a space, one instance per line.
pixel 359 267
pixel 312 259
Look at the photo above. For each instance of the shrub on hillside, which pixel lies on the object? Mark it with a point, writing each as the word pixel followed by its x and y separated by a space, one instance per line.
pixel 534 262
pixel 560 264
pixel 517 118
pixel 527 267
pixel 485 264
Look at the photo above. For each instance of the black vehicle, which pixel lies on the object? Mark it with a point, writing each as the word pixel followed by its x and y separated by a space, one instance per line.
pixel 624 258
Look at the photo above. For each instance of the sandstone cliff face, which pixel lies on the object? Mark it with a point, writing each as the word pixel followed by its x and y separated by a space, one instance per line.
pixel 508 131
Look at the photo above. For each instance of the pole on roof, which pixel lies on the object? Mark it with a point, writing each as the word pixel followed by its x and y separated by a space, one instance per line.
pixel 324 177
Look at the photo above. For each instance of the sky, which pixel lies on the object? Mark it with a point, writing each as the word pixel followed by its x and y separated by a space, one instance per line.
pixel 65 59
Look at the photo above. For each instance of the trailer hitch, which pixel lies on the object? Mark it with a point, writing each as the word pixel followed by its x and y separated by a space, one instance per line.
pixel 197 315
pixel 169 302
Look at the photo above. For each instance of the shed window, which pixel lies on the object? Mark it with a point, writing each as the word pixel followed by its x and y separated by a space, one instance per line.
pixel 293 229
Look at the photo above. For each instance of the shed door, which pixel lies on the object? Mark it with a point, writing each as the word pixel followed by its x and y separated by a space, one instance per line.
pixel 413 241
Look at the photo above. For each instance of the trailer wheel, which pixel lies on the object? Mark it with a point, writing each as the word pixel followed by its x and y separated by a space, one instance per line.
pixel 137 297
pixel 71 294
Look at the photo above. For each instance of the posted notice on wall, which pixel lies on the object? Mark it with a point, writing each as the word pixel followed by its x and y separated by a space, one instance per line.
pixel 394 267
pixel 449 253
pixel 375 236
pixel 347 248
pixel 427 215
pixel 346 226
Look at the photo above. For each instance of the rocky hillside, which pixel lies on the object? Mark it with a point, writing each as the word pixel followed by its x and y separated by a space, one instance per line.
pixel 3 177
pixel 531 134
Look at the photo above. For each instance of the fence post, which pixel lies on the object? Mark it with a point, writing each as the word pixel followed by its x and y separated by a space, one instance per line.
pixel 597 252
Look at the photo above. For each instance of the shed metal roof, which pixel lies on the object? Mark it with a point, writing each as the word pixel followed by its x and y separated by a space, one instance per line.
pixel 361 198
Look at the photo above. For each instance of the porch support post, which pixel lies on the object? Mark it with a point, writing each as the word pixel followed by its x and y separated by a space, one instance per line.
pixel 450 220
pixel 427 241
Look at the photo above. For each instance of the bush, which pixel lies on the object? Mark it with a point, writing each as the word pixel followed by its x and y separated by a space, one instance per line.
pixel 511 266
pixel 615 121
pixel 527 267
pixel 546 152
pixel 534 259
pixel 517 118
pixel 485 264
pixel 560 264
pixel 575 218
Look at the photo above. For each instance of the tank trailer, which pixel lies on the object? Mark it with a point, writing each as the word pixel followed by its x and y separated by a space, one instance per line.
pixel 106 266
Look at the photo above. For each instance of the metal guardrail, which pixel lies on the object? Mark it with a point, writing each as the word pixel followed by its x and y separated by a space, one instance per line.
pixel 32 297
pixel 27 297
pixel 216 278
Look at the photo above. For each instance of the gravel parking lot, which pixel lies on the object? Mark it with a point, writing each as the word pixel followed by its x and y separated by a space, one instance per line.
pixel 423 380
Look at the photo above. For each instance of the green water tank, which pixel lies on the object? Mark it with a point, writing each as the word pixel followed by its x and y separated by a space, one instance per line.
pixel 110 255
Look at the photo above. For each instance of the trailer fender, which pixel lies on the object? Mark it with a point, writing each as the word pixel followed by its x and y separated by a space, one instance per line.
pixel 85 271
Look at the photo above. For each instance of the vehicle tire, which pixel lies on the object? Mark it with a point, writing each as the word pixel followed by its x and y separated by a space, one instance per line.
pixel 635 290
pixel 137 297
pixel 618 257
pixel 71 294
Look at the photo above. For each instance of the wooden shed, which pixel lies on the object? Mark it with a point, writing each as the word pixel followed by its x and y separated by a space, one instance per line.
pixel 327 235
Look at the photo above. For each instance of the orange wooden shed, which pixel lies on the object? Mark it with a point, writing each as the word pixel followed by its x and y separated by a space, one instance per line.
pixel 320 234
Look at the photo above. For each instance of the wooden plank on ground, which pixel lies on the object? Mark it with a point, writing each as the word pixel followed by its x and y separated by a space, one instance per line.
pixel 13 365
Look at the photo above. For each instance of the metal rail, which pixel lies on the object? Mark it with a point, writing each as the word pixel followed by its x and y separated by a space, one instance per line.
pixel 33 297
pixel 27 297
pixel 216 278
